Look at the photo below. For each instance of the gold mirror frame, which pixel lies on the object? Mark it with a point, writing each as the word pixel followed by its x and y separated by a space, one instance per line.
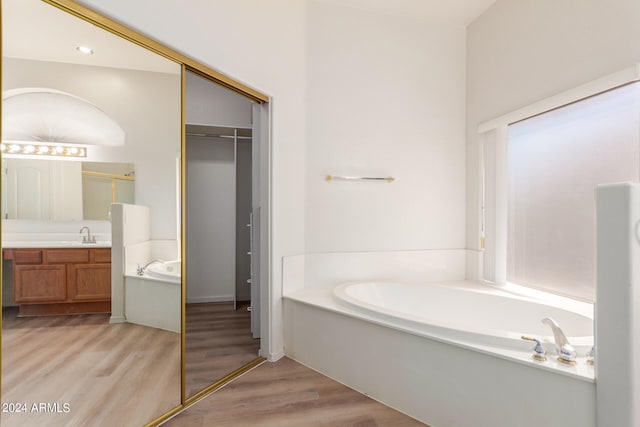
pixel 187 64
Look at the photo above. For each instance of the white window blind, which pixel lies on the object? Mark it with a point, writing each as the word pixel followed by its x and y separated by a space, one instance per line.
pixel 555 162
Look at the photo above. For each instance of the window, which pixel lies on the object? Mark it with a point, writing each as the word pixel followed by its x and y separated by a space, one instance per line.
pixel 555 161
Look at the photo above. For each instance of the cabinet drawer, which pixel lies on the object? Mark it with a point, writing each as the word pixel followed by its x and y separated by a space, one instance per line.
pixel 27 256
pixel 57 256
pixel 102 255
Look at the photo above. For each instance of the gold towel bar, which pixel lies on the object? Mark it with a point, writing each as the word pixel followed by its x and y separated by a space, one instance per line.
pixel 389 179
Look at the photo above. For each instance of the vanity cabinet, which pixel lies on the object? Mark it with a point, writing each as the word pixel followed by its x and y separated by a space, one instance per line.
pixel 61 280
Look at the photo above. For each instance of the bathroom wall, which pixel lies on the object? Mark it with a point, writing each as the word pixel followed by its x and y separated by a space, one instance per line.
pixel 385 97
pixel 380 94
pixel 147 107
pixel 211 210
pixel 263 44
pixel 522 51
pixel 212 104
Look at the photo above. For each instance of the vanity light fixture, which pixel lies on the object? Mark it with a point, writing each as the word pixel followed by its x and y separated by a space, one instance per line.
pixel 42 150
pixel 84 49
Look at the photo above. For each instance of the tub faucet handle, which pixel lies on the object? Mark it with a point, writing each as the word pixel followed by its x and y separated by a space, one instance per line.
pixel 591 355
pixel 538 351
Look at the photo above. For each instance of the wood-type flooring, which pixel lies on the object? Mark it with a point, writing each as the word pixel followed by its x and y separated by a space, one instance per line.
pixel 86 371
pixel 126 375
pixel 218 341
pixel 288 394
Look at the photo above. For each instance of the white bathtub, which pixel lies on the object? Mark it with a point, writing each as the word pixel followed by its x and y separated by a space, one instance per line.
pixel 476 315
pixel 168 271
pixel 153 299
pixel 448 354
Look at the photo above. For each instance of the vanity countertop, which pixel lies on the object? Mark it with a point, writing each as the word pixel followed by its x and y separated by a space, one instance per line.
pixel 19 244
pixel 53 240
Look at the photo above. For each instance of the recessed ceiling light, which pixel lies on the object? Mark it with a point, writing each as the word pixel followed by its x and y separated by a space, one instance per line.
pixel 84 49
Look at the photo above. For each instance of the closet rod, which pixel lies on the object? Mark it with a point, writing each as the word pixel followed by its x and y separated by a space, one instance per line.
pixel 210 135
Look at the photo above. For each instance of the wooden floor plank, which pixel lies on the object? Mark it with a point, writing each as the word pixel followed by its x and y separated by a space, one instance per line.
pixel 107 373
pixel 218 341
pixel 103 371
pixel 285 393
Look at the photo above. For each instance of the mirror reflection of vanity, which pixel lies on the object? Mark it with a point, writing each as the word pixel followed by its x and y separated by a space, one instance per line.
pixel 41 189
pixel 116 368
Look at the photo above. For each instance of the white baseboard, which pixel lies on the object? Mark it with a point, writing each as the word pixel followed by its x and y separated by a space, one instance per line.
pixel 274 357
pixel 117 319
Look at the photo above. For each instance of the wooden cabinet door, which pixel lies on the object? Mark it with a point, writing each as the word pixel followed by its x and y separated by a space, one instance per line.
pixel 39 283
pixel 90 282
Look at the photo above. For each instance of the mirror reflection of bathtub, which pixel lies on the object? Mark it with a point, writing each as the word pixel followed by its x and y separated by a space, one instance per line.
pixel 163 271
pixel 153 298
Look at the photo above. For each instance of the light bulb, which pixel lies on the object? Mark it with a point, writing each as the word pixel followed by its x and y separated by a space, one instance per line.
pixel 84 49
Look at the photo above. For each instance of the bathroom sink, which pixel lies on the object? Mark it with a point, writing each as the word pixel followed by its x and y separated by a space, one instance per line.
pixel 98 243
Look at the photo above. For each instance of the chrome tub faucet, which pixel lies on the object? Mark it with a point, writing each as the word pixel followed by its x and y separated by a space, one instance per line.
pixel 140 270
pixel 566 352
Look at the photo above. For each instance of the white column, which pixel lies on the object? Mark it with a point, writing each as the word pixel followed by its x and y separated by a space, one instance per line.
pixel 117 264
pixel 618 305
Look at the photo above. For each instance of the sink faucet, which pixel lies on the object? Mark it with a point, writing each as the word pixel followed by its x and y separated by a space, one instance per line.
pixel 566 352
pixel 88 238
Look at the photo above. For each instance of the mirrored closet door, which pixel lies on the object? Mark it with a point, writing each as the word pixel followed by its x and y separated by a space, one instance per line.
pixel 219 215
pixel 85 126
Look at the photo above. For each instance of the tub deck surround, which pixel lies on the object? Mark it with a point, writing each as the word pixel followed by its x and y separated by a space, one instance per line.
pixel 165 271
pixel 440 374
pixel 438 383
pixel 153 299
pixel 153 302
pixel 144 300
pixel 498 343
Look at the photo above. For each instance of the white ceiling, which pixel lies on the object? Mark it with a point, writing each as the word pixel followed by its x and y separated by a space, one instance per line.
pixel 36 30
pixel 33 29
pixel 461 12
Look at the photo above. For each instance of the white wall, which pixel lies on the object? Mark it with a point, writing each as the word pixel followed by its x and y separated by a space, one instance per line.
pixel 147 107
pixel 385 98
pixel 262 44
pixel 521 51
pixel 212 104
pixel 212 192
pixel 385 95
pixel 211 219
